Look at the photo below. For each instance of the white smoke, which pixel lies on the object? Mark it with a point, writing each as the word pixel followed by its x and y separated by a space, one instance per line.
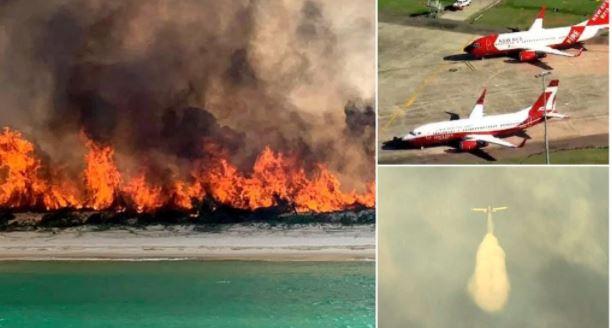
pixel 489 286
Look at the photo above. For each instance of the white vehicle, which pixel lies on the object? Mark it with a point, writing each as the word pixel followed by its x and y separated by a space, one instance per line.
pixel 460 4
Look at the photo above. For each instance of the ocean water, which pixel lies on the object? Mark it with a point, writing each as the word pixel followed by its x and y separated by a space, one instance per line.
pixel 187 294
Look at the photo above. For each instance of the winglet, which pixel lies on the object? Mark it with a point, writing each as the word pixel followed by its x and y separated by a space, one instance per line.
pixel 482 97
pixel 539 21
pixel 542 12
pixel 478 110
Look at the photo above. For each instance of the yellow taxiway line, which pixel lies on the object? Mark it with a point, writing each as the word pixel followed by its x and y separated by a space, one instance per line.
pixel 410 100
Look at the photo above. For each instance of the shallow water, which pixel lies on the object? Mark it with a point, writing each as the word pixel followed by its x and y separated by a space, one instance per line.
pixel 187 294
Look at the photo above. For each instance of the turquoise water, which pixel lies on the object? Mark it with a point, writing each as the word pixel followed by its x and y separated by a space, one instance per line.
pixel 186 294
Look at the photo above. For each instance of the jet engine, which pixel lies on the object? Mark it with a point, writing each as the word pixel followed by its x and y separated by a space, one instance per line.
pixel 529 56
pixel 470 145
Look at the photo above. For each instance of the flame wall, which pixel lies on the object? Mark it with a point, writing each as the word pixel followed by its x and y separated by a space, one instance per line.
pixel 273 179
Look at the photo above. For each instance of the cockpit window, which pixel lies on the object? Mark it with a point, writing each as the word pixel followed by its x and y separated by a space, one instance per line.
pixel 412 133
pixel 476 44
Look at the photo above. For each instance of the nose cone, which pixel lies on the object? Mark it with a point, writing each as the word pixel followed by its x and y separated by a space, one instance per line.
pixel 469 49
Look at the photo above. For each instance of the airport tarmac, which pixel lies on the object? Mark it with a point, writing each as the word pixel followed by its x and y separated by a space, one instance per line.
pixel 417 85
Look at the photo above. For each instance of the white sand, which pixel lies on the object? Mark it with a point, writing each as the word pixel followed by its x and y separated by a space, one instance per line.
pixel 238 242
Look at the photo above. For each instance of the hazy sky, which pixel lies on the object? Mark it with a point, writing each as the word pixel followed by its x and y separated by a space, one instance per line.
pixel 554 234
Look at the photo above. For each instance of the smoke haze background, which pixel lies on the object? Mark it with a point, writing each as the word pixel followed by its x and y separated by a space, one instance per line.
pixel 155 78
pixel 554 234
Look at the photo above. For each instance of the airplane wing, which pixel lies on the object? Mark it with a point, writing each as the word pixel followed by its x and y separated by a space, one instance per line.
pixel 490 139
pixel 551 51
pixel 539 22
pixel 478 110
pixel 495 209
pixel 479 210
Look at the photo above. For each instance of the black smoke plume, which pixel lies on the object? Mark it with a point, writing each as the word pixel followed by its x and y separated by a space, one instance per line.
pixel 155 78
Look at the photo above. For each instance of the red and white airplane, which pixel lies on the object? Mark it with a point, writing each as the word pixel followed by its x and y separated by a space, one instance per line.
pixel 478 130
pixel 537 42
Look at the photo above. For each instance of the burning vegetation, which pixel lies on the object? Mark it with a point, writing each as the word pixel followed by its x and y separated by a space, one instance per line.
pixel 275 179
pixel 154 106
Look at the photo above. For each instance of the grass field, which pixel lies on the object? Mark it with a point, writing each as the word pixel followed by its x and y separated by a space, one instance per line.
pixel 521 13
pixel 576 156
pixel 406 7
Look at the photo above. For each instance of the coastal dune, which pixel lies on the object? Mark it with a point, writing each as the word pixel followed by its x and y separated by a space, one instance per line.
pixel 235 242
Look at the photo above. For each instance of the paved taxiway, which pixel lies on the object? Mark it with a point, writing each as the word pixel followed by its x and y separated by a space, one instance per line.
pixel 417 85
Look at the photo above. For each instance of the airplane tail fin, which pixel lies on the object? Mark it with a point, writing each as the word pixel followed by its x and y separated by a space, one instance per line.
pixel 601 16
pixel 549 96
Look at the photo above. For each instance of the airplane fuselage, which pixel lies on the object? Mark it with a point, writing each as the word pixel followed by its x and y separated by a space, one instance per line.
pixel 508 43
pixel 538 41
pixel 489 212
pixel 446 132
pixel 553 37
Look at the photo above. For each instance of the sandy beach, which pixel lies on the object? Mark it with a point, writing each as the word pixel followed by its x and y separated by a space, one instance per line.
pixel 235 242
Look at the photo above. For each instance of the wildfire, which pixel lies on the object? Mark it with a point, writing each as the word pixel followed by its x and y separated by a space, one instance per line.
pixel 21 175
pixel 101 175
pixel 273 177
pixel 144 196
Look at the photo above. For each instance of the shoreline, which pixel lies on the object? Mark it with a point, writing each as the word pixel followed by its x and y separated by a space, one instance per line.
pixel 159 243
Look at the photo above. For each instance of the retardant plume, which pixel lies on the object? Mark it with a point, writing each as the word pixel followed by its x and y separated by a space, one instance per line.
pixel 489 286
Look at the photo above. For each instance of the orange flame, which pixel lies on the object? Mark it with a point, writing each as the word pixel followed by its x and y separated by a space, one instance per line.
pixel 19 171
pixel 22 186
pixel 277 176
pixel 145 197
pixel 184 194
pixel 101 175
pixel 62 193
pixel 274 177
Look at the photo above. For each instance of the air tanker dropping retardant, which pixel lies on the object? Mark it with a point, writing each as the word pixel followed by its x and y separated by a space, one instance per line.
pixel 489 211
pixel 537 42
pixel 479 130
